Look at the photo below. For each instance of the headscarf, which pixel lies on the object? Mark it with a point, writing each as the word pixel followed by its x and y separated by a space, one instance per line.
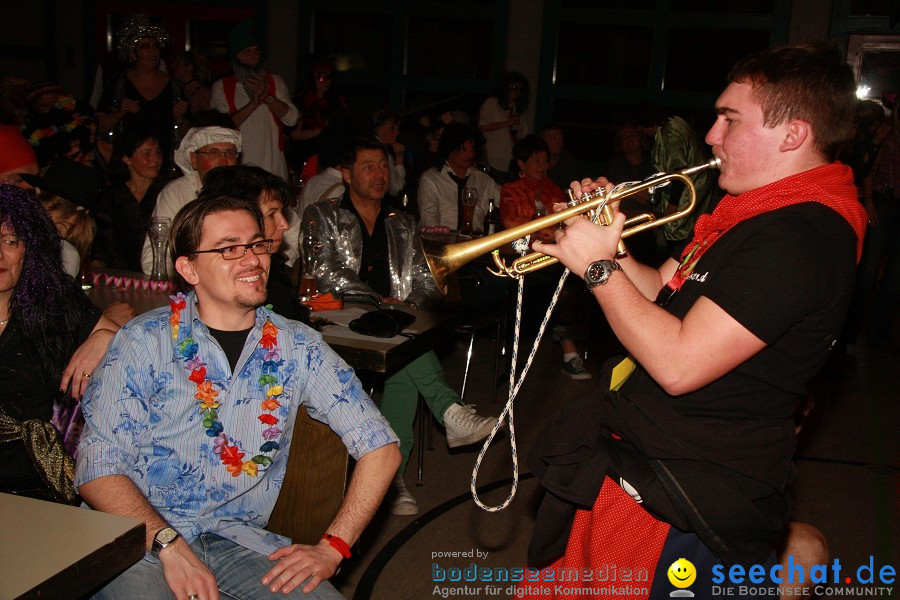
pixel 197 137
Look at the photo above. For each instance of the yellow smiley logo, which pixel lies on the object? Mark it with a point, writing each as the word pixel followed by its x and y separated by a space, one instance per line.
pixel 682 573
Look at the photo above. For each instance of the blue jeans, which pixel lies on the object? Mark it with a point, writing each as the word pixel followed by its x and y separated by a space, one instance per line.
pixel 238 572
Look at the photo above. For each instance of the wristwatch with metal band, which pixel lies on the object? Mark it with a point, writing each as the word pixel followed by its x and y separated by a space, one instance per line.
pixel 598 272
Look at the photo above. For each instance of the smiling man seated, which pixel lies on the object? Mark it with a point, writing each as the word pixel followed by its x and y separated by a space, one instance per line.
pixel 189 425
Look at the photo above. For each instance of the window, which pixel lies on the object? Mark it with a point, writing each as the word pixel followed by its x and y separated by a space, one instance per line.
pixel 449 47
pixel 618 57
pixel 691 66
pixel 355 42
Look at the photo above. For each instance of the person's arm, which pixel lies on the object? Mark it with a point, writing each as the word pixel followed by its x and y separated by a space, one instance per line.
pixel 253 89
pixel 87 356
pixel 301 135
pixel 397 174
pixel 681 355
pixel 492 117
pixel 185 573
pixel 108 451
pixel 371 477
pixel 429 201
pixel 510 212
pixel 425 291
pixel 281 105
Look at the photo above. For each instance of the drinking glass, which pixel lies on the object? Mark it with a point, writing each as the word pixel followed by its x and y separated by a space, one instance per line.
pixel 312 247
pixel 469 200
pixel 158 231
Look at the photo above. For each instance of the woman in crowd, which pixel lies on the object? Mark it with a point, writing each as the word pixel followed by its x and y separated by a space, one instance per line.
pixel 70 190
pixel 144 95
pixel 75 226
pixel 318 103
pixel 128 203
pixel 532 195
pixel 500 120
pixel 51 339
pixel 192 74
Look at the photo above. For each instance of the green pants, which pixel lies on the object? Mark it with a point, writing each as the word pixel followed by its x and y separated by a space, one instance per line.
pixel 401 398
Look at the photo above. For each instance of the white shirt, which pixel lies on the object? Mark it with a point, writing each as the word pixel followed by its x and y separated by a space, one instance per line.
pixel 498 144
pixel 439 197
pixel 71 259
pixel 259 133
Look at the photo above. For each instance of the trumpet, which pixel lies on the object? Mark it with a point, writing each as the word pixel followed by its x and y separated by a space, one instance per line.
pixel 444 259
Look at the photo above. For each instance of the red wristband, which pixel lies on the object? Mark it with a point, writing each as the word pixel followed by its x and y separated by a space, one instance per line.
pixel 338 544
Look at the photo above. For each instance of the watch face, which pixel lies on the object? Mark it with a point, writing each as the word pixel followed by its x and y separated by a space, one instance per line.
pixel 166 535
pixel 598 272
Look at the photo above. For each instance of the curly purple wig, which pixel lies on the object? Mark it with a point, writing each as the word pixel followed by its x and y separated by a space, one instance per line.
pixel 46 304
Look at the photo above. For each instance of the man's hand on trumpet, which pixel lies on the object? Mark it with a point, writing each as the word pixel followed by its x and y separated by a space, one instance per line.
pixel 581 242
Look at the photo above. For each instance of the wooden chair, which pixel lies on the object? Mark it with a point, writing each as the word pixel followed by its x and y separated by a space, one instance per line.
pixel 314 483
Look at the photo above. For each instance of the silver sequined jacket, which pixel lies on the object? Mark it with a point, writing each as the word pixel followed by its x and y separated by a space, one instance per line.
pixel 340 253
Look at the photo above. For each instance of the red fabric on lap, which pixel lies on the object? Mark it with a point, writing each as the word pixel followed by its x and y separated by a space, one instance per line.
pixel 615 532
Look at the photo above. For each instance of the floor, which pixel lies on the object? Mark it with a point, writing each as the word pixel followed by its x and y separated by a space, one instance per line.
pixel 847 485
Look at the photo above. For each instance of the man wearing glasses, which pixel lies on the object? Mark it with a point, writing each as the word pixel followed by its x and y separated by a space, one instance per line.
pixel 201 150
pixel 189 426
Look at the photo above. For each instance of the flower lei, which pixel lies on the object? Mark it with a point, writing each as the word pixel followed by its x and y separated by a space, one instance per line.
pixel 229 452
pixel 65 107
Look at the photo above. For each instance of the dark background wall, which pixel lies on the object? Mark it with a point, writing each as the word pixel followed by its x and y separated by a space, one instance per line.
pixel 589 62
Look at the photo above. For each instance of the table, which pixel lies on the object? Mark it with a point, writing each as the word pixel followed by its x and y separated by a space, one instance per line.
pixel 51 550
pixel 382 355
pixel 111 285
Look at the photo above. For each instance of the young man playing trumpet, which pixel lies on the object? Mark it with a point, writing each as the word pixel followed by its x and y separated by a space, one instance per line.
pixel 695 434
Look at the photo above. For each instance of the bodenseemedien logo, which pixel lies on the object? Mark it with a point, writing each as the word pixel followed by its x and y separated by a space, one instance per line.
pixel 682 574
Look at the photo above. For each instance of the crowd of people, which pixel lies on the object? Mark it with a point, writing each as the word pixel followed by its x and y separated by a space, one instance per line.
pixel 725 336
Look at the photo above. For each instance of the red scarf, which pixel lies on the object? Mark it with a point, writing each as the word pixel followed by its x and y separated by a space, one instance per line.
pixel 831 185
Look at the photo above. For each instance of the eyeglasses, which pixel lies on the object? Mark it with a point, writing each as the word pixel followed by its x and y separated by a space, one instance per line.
pixel 515 87
pixel 237 251
pixel 216 153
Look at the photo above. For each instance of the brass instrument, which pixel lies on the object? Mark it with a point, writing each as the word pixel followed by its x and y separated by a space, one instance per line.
pixel 444 259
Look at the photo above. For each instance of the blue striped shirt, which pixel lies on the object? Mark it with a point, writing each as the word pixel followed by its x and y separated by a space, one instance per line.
pixel 142 420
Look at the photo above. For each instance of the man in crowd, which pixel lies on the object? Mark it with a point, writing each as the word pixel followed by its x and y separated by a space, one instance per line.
pixel 201 150
pixel 440 188
pixel 257 100
pixel 189 425
pixel 699 429
pixel 369 250
pixel 17 158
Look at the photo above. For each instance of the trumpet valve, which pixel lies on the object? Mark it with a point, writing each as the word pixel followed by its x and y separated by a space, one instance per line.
pixel 585 196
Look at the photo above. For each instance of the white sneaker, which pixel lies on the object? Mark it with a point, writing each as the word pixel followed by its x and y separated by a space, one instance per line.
pixel 464 426
pixel 404 504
